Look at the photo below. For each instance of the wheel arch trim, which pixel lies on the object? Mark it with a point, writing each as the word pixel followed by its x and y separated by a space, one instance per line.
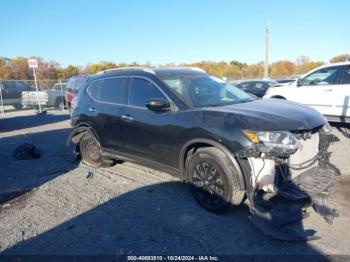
pixel 80 130
pixel 213 143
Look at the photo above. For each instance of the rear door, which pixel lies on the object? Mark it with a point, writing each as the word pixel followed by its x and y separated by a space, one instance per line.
pixel 105 111
pixel 317 90
pixel 342 94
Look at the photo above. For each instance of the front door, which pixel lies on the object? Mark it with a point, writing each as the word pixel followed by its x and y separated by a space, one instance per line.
pixel 149 135
pixel 317 90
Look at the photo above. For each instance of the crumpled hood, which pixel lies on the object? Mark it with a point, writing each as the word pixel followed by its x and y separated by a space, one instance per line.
pixel 271 115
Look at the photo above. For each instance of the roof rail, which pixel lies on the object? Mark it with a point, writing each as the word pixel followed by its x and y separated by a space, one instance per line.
pixel 145 69
pixel 185 67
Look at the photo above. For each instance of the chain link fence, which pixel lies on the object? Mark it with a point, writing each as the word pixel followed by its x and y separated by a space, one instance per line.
pixel 22 94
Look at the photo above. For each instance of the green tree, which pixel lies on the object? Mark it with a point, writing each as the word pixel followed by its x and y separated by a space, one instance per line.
pixel 340 58
pixel 71 71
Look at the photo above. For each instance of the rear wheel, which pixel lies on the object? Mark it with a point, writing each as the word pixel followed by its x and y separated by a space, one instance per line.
pixel 213 180
pixel 91 152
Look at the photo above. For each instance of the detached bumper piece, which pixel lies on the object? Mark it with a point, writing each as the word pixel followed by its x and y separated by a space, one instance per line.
pixel 280 214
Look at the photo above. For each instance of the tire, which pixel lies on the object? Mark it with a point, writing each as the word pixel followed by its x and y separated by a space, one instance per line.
pixel 213 180
pixel 90 152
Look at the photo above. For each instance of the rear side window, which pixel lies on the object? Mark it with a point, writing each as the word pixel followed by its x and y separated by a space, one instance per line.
pixel 259 85
pixel 244 86
pixel 346 75
pixel 112 90
pixel 142 91
pixel 21 86
pixel 9 85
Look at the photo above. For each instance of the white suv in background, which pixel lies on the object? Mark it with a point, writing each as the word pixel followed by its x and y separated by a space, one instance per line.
pixel 326 89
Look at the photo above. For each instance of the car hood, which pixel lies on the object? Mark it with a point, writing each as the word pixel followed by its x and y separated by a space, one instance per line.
pixel 271 115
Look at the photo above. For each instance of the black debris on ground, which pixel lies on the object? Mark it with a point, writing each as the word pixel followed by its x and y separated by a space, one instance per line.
pixel 26 151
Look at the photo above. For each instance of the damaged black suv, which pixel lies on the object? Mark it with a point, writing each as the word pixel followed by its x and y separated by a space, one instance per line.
pixel 213 136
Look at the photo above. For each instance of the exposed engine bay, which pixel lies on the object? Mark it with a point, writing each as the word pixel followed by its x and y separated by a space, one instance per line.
pixel 283 179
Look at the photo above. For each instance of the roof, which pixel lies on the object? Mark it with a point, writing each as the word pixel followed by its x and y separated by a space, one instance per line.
pixel 155 71
pixel 179 70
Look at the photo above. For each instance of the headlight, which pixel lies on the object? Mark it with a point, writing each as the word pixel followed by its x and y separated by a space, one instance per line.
pixel 274 139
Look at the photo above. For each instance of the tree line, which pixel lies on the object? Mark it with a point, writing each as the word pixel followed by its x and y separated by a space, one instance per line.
pixel 17 68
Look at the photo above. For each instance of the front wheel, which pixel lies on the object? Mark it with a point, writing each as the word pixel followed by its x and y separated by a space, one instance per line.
pixel 213 180
pixel 91 152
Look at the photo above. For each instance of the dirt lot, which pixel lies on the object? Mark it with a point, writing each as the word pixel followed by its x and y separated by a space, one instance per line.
pixel 54 205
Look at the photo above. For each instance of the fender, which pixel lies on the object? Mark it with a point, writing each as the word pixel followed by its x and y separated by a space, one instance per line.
pixel 79 132
pixel 217 145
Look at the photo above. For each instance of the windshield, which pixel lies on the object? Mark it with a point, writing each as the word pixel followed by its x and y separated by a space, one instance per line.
pixel 205 90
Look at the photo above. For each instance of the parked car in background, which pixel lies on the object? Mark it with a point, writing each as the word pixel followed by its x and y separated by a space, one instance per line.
pixel 11 92
pixel 213 136
pixel 326 89
pixel 47 98
pixel 255 87
pixel 73 85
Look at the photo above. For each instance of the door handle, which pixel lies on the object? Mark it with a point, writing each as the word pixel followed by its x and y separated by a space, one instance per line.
pixel 92 109
pixel 127 118
pixel 328 90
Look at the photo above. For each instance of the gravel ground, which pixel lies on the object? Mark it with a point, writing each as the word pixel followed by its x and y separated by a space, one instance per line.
pixel 54 205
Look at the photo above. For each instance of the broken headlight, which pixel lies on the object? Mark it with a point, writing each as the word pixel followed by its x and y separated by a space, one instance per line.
pixel 284 141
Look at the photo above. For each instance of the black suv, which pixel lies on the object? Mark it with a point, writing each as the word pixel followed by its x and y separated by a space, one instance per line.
pixel 213 136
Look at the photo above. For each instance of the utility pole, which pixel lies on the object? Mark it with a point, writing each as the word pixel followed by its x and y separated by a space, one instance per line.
pixel 266 62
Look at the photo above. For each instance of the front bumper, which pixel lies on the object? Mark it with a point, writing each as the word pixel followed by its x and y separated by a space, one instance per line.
pixel 287 206
pixel 279 211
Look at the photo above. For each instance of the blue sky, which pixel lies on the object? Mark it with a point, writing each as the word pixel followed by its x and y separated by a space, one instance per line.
pixel 163 31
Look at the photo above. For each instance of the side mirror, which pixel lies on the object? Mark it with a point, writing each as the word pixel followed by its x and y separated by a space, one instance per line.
pixel 158 104
pixel 299 82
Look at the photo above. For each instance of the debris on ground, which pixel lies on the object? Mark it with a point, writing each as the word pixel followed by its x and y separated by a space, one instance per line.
pixel 90 175
pixel 26 151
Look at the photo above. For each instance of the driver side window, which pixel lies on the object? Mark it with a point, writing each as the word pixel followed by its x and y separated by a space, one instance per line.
pixel 324 76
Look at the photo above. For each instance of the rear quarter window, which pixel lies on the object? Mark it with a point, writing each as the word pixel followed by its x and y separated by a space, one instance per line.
pixel 94 88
